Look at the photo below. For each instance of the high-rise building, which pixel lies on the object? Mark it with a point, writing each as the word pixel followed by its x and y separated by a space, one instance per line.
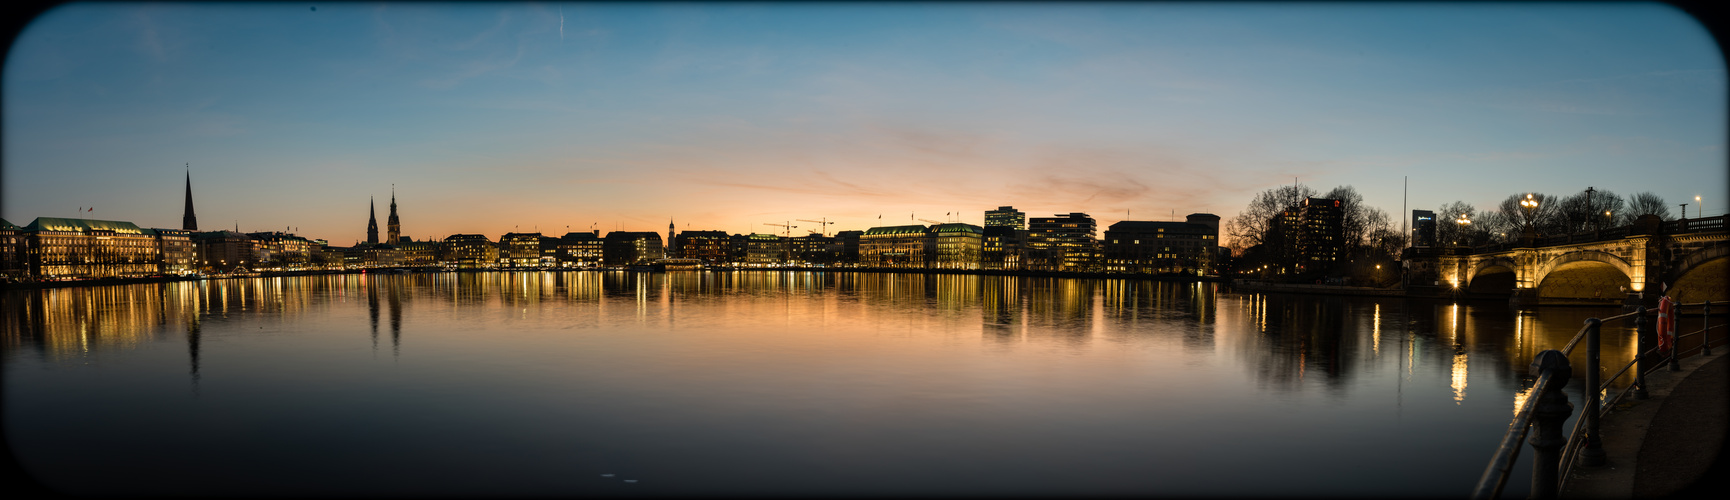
pixel 1006 217
pixel 1064 242
pixel 394 229
pixel 189 222
pixel 371 223
pixel 1321 242
pixel 1423 228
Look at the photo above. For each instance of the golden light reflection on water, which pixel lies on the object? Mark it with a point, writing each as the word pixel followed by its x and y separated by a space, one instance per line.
pixel 1280 340
pixel 1458 383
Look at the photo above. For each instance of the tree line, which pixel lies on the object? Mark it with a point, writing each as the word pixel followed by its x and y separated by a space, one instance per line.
pixel 1547 215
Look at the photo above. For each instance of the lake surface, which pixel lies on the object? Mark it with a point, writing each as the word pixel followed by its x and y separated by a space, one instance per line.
pixel 544 383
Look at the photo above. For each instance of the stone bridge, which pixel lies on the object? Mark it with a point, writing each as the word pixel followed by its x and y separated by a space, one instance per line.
pixel 1685 259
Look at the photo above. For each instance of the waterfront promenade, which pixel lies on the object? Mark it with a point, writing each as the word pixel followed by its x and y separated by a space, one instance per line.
pixel 1669 446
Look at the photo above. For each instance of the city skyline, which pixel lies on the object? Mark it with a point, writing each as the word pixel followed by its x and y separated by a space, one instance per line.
pixel 726 117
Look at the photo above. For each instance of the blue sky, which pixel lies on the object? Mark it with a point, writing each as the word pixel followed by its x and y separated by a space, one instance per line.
pixel 491 118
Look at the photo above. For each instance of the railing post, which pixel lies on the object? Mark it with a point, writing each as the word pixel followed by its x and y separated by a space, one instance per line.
pixel 1675 340
pixel 1593 454
pixel 1642 339
pixel 1706 330
pixel 1547 440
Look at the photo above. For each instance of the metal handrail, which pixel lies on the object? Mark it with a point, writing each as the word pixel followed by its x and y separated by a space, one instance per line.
pixel 1496 476
pixel 1550 468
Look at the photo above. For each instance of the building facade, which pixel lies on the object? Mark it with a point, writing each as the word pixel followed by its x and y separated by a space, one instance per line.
pixel 1163 247
pixel 470 251
pixel 579 249
pixel 60 248
pixel 520 250
pixel 894 247
pixel 1006 217
pixel 1321 242
pixel 628 248
pixel 1065 242
pixel 955 246
pixel 709 247
pixel 766 250
pixel 1423 228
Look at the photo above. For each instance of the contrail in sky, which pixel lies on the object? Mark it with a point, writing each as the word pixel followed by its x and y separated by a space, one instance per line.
pixel 561 23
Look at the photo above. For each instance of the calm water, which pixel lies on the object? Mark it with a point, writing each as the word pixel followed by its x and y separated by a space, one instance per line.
pixel 760 382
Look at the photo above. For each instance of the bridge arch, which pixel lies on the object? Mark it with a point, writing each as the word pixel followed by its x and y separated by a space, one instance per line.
pixel 1494 282
pixel 1700 276
pixel 1583 275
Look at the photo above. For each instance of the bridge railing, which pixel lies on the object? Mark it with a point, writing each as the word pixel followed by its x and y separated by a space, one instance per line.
pixel 1553 456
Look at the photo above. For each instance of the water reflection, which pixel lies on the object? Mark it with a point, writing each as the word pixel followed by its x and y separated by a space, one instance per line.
pixel 1286 340
pixel 856 360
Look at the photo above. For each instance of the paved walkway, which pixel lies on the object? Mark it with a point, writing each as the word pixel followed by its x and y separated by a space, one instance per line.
pixel 1669 446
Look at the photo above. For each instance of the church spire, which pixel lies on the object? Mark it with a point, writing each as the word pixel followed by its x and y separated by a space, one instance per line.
pixel 393 227
pixel 371 222
pixel 189 222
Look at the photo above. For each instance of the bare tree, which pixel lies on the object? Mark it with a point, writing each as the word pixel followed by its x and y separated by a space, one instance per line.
pixel 1641 204
pixel 1540 212
pixel 1356 219
pixel 1249 227
pixel 1449 231
pixel 1587 211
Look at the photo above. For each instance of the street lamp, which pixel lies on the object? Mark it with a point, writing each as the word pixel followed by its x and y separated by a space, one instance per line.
pixel 1462 222
pixel 1697 206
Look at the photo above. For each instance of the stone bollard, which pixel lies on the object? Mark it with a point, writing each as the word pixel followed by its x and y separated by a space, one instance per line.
pixel 1552 410
pixel 1592 455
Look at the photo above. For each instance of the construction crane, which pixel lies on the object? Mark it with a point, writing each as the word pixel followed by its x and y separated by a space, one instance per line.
pixel 821 225
pixel 788 229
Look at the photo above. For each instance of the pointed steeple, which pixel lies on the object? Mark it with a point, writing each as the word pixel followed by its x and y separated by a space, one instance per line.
pixel 393 228
pixel 672 247
pixel 189 222
pixel 371 222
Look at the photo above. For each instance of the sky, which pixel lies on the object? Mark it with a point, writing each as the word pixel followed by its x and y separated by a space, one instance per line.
pixel 498 117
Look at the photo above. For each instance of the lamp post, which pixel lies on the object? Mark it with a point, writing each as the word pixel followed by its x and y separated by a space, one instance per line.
pixel 1698 206
pixel 1529 209
pixel 1588 199
pixel 1463 222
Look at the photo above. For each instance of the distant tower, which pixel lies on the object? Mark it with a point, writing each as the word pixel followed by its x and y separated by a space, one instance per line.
pixel 189 222
pixel 672 245
pixel 395 229
pixel 371 223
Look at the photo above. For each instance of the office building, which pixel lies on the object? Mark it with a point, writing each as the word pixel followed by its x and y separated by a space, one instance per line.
pixel 470 251
pixel 1163 247
pixel 1423 228
pixel 1006 217
pixel 1064 242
